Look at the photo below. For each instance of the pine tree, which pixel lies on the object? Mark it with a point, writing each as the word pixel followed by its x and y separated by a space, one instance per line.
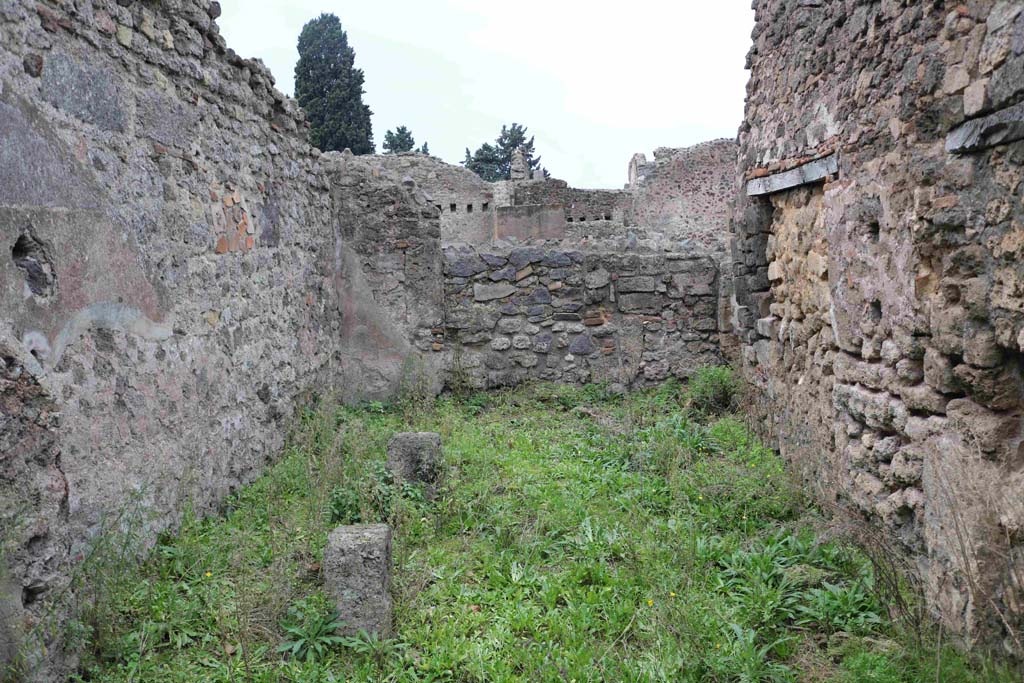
pixel 424 149
pixel 512 138
pixel 330 88
pixel 486 162
pixel 399 141
pixel 494 162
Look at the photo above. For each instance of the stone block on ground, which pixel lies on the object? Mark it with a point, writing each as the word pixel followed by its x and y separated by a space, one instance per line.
pixel 357 575
pixel 415 457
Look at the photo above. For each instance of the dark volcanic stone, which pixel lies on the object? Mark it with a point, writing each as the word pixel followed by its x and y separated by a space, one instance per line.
pixel 582 345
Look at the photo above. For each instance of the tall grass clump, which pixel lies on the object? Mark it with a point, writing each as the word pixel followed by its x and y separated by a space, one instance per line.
pixel 714 390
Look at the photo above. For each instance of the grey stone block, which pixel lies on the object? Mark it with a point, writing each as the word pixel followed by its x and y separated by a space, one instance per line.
pixel 999 128
pixel 464 265
pixel 639 283
pixel 692 284
pixel 640 302
pixel 582 345
pixel 506 274
pixel 520 258
pixel 357 575
pixel 482 292
pixel 1007 82
pixel 494 260
pixel 415 457
pixel 542 343
pixel 521 342
pixel 802 175
pixel 510 325
pixel 598 278
pixel 540 295
pixel 767 327
pixel 557 259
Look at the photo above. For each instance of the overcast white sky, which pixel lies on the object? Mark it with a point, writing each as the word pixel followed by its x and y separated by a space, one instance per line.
pixel 594 81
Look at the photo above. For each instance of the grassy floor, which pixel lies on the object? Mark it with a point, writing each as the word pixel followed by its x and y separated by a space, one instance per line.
pixel 580 537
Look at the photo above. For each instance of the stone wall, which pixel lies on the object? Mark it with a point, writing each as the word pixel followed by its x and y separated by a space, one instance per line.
pixel 570 316
pixel 180 270
pixel 464 200
pixel 534 222
pixel 580 205
pixel 878 278
pixel 390 232
pixel 677 203
pixel 546 281
pixel 685 192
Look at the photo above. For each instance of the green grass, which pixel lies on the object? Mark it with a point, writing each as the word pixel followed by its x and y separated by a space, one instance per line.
pixel 580 537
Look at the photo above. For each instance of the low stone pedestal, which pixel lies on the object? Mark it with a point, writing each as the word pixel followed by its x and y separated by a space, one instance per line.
pixel 357 575
pixel 415 457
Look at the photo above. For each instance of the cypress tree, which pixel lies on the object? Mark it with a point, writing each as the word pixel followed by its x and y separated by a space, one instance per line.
pixel 330 88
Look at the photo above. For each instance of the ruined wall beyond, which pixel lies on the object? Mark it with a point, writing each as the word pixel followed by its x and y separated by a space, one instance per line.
pixel 546 281
pixel 179 270
pixel 879 283
pixel 464 201
pixel 686 193
pixel 677 203
pixel 625 319
pixel 581 206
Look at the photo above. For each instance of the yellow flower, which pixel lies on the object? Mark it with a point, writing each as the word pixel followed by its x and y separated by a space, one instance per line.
pixel 718 646
pixel 671 594
pixel 700 497
pixel 650 603
pixel 208 574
